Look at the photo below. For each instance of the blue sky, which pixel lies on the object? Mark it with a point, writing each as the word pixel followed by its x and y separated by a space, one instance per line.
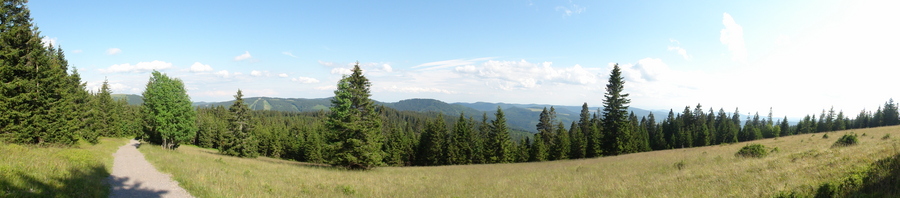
pixel 797 57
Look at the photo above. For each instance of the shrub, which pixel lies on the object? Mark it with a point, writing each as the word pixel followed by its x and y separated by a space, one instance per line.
pixel 846 140
pixel 886 137
pixel 825 136
pixel 679 165
pixel 752 150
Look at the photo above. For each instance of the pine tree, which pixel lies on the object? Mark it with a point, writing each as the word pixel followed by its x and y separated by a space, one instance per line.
pixel 243 143
pixel 462 142
pixel 502 150
pixel 615 117
pixel 33 83
pixel 578 141
pixel 890 113
pixel 432 143
pixel 356 126
pixel 562 145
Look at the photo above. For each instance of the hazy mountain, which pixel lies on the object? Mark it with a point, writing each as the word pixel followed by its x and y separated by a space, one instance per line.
pixel 130 98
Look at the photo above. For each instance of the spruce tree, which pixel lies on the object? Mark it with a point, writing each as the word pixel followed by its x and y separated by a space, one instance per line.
pixel 562 145
pixel 615 115
pixel 242 143
pixel 355 124
pixel 501 146
pixel 462 139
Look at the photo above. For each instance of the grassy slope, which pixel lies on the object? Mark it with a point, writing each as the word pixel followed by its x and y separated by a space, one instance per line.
pixel 28 171
pixel 802 163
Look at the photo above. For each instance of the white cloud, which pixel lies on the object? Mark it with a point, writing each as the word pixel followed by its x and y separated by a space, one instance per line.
pixel 305 80
pixel 733 37
pixel 244 56
pixel 200 67
pixel 341 71
pixel 47 41
pixel 113 51
pixel 256 73
pixel 289 54
pixel 681 52
pixel 76 51
pixel 223 74
pixel 450 63
pixel 525 75
pixel 283 75
pixel 416 90
pixel 328 87
pixel 386 67
pixel 139 67
pixel 329 64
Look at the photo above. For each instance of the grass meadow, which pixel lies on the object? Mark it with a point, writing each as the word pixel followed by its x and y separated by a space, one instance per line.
pixel 800 163
pixel 79 171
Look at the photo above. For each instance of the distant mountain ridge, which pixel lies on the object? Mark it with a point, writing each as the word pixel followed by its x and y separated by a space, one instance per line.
pixel 519 116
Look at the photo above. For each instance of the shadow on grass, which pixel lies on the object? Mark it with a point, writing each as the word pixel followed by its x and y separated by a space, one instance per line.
pixel 79 182
pixel 93 181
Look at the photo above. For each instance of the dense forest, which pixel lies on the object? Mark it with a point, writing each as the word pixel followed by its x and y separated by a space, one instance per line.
pixel 44 102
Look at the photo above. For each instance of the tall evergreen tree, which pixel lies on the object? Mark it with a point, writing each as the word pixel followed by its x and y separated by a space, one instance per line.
pixel 578 141
pixel 355 124
pixel 462 140
pixel 562 145
pixel 890 113
pixel 615 115
pixel 242 141
pixel 432 145
pixel 501 146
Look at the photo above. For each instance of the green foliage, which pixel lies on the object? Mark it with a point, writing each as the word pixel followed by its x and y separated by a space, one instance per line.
pixel 239 140
pixel 356 125
pixel 752 150
pixel 168 116
pixel 40 103
pixel 846 140
pixel 499 143
pixel 886 137
pixel 615 116
pixel 825 136
pixel 679 165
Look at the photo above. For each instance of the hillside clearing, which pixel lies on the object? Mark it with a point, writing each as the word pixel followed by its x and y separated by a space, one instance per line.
pixel 800 163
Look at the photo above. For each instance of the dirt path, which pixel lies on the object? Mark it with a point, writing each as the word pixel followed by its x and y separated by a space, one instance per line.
pixel 133 176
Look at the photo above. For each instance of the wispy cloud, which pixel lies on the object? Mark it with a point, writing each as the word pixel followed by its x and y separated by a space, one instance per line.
pixel 289 54
pixel 113 51
pixel 76 51
pixel 526 75
pixel 733 37
pixel 570 9
pixel 681 52
pixel 244 56
pixel 450 63
pixel 283 75
pixel 305 80
pixel 139 67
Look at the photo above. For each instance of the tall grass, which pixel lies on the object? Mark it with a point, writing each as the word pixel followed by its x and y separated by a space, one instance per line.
pixel 30 171
pixel 801 163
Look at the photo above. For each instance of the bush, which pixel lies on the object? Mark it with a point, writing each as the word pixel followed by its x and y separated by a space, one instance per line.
pixel 846 140
pixel 886 137
pixel 752 150
pixel 679 165
pixel 825 136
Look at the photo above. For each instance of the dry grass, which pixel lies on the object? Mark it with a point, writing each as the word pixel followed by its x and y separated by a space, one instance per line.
pixel 801 163
pixel 30 171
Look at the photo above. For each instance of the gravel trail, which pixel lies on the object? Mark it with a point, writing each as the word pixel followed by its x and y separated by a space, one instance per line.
pixel 133 176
